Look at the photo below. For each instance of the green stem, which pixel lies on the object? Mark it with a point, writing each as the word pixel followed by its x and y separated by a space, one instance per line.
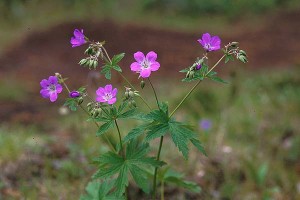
pixel 105 137
pixel 122 153
pixel 162 188
pixel 120 139
pixel 186 96
pixel 156 168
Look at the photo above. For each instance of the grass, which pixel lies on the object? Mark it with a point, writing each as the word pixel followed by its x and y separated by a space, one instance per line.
pixel 253 146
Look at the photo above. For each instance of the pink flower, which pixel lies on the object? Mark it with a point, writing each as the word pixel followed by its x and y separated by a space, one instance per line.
pixel 210 43
pixel 145 65
pixel 106 94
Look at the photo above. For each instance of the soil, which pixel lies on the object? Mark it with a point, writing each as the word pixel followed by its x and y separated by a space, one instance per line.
pixel 40 54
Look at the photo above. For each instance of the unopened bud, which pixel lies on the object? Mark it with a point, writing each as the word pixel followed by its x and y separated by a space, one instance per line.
pixel 142 84
pixel 126 94
pixel 80 100
pixel 233 44
pixel 131 94
pixel 74 94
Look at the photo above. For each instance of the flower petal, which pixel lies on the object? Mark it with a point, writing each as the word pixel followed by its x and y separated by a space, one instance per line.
pixel 154 66
pixel 139 56
pixel 145 73
pixel 108 88
pixel 206 38
pixel 78 33
pixel 114 92
pixel 100 91
pixel 44 83
pixel 53 96
pixel 112 101
pixel 100 99
pixel 151 56
pixel 44 93
pixel 52 80
pixel 58 88
pixel 215 43
pixel 135 67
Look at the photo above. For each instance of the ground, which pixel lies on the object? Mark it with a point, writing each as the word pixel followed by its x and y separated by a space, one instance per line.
pixel 276 44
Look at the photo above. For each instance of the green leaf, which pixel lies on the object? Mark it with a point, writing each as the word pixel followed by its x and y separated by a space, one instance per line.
pixel 156 131
pixel 199 146
pixel 97 190
pixel 261 174
pixel 117 68
pixel 180 138
pixel 108 75
pixel 111 164
pixel 71 103
pixel 105 127
pixel 217 79
pixel 137 131
pixel 117 58
pixel 140 177
pixel 128 114
pixel 228 58
pixel 176 178
pixel 122 180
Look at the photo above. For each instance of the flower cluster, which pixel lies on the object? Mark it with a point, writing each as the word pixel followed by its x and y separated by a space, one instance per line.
pixel 105 111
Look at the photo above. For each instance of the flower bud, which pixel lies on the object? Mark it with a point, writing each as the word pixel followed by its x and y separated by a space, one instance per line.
pixel 142 84
pixel 80 100
pixel 74 94
pixel 126 94
pixel 131 94
pixel 198 66
pixel 233 44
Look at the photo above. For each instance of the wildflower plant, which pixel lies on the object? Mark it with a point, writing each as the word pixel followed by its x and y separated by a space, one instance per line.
pixel 129 160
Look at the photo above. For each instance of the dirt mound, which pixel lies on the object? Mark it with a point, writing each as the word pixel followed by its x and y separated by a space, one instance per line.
pixel 43 53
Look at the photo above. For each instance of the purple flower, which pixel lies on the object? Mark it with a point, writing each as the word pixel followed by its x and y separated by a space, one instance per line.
pixel 205 124
pixel 78 39
pixel 74 94
pixel 198 66
pixel 107 94
pixel 210 43
pixel 50 88
pixel 145 65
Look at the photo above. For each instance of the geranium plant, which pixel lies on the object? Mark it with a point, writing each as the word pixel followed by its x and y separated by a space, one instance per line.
pixel 129 160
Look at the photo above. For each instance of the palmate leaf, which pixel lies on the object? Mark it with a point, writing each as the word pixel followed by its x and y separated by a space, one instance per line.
pixel 160 125
pixel 135 162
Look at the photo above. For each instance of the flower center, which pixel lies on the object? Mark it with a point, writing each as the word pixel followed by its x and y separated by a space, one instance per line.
pixel 107 96
pixel 145 64
pixel 52 87
pixel 207 46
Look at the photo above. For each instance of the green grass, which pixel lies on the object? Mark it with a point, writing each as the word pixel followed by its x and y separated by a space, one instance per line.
pixel 254 141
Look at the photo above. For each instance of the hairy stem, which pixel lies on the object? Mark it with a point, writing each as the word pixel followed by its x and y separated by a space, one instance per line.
pixel 154 93
pixel 156 168
pixel 159 148
pixel 120 139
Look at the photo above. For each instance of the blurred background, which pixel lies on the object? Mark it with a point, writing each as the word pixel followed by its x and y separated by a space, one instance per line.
pixel 249 127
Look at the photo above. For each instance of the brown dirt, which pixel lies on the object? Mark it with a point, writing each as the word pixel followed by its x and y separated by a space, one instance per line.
pixel 276 44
